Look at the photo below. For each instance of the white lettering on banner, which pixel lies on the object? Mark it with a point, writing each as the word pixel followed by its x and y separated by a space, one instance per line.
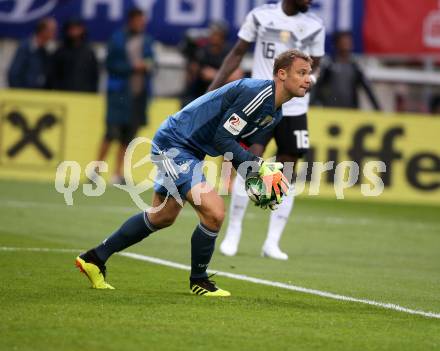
pixel 325 11
pixel 196 12
pixel 345 14
pixel 241 9
pixel 217 10
pixel 114 8
pixel 431 32
pixel 176 13
pixel 145 5
pixel 25 11
pixel 193 12
pixel 336 14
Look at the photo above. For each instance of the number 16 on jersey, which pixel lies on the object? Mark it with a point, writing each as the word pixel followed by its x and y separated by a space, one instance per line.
pixel 302 139
pixel 268 49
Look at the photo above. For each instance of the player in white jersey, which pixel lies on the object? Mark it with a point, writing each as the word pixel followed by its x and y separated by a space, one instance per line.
pixel 274 28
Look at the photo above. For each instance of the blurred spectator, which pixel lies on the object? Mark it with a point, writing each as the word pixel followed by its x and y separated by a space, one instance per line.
pixel 129 63
pixel 341 77
pixel 204 62
pixel 31 63
pixel 74 67
pixel 434 107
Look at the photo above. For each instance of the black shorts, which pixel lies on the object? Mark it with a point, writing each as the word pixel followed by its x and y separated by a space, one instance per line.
pixel 291 136
pixel 124 133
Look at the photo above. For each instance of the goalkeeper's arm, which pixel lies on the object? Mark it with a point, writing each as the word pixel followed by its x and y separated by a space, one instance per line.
pixel 225 143
pixel 270 172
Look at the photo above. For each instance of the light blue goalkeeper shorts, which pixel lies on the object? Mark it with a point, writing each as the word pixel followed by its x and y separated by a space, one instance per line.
pixel 178 169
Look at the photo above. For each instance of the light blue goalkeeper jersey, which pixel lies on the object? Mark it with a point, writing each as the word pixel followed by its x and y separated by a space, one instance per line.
pixel 216 122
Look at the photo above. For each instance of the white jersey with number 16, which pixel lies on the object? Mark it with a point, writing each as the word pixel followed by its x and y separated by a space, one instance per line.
pixel 273 33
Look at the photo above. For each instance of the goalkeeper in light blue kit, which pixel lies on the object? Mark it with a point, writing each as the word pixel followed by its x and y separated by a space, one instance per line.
pixel 215 124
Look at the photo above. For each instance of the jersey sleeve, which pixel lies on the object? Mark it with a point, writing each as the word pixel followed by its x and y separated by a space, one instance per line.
pixel 317 46
pixel 248 31
pixel 242 105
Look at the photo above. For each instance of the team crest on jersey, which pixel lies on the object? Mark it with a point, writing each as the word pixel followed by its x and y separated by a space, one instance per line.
pixel 234 124
pixel 266 121
pixel 284 36
pixel 184 167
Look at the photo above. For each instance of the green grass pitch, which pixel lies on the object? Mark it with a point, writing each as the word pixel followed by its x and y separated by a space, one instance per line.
pixel 381 252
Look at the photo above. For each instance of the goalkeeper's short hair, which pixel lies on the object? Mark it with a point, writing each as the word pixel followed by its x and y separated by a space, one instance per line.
pixel 285 59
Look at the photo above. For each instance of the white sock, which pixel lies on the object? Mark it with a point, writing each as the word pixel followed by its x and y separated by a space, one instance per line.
pixel 278 220
pixel 237 209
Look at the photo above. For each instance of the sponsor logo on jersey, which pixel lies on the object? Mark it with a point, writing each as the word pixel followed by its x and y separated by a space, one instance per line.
pixel 234 124
pixel 235 121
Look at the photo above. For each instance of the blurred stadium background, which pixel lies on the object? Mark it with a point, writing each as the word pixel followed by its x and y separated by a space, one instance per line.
pixel 400 63
pixel 383 248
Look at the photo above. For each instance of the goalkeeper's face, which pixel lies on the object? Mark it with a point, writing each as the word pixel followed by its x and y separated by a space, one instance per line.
pixel 296 79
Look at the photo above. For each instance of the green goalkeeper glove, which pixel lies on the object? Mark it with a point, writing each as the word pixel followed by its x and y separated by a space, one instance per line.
pixel 274 181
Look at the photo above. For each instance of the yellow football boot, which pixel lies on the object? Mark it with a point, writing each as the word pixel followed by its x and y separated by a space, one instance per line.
pixel 206 287
pixel 95 274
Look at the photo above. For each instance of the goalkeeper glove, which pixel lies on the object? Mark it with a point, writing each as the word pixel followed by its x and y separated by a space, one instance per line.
pixel 273 180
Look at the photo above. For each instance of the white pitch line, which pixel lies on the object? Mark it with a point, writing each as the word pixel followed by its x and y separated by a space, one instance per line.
pixel 242 277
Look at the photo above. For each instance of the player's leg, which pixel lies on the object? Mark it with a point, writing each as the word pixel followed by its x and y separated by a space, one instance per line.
pixel 103 149
pixel 110 134
pixel 237 209
pixel 117 177
pixel 278 219
pixel 211 211
pixel 291 136
pixel 140 226
pixel 132 231
pixel 126 134
pixel 239 203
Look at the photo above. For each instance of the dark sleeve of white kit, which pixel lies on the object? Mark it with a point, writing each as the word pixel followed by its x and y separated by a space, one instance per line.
pixel 240 112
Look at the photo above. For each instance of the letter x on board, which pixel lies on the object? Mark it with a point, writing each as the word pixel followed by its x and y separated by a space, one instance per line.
pixel 31 136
